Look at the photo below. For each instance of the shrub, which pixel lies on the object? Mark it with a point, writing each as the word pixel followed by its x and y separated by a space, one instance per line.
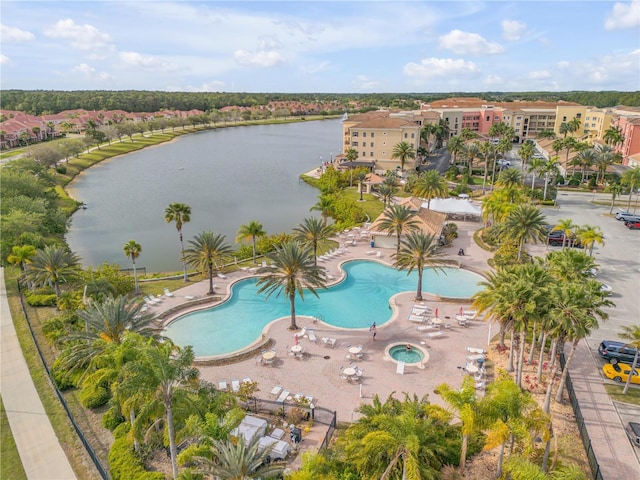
pixel 93 396
pixel 41 300
pixel 112 418
pixel 61 377
pixel 124 464
pixel 61 169
pixel 450 232
pixel 53 329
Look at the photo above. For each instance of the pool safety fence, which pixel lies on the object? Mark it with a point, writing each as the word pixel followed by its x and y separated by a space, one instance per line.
pixel 139 271
pixel 103 472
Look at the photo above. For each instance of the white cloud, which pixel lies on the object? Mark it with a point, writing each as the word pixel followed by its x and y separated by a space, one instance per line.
pixel 13 34
pixel 539 75
pixel 439 67
pixel 313 68
pixel 563 64
pixel 145 62
pixel 513 29
pixel 3 59
pixel 465 43
pixel 82 37
pixel 493 80
pixel 90 73
pixel 261 58
pixel 365 83
pixel 212 86
pixel 616 71
pixel 624 15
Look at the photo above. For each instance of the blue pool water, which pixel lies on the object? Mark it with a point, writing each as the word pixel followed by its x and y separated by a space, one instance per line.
pixel 361 299
pixel 401 354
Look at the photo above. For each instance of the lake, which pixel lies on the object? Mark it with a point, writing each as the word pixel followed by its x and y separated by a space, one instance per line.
pixel 228 176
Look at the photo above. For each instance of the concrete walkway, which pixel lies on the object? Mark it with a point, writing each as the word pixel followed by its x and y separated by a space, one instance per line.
pixel 41 454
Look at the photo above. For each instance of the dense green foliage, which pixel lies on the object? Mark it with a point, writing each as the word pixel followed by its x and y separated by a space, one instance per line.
pixel 124 464
pixel 49 101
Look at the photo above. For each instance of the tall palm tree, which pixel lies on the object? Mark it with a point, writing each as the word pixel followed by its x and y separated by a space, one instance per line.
pixel 455 145
pixel 53 265
pixel 361 176
pixel 441 132
pixel 430 185
pixel 132 250
pixel 239 460
pixel 526 152
pixel 425 133
pixel 397 219
pixel 535 167
pixel 577 307
pixel 417 251
pixel 463 402
pixel 546 134
pixel 488 151
pixel 164 375
pixel 180 213
pixel 564 129
pixel 471 152
pixel 312 233
pixel 631 333
pixel 575 123
pixel 351 155
pixel 386 193
pixel 551 167
pixel 292 270
pixel 250 232
pixel 524 223
pixel 615 189
pixel 586 158
pixel 589 236
pixel 631 179
pixel 403 151
pixel 509 178
pixel 613 136
pixel 21 255
pixel 606 157
pixel 325 206
pixel 206 251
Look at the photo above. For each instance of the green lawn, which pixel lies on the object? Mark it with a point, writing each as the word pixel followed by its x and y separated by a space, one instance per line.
pixel 371 204
pixel 615 392
pixel 10 464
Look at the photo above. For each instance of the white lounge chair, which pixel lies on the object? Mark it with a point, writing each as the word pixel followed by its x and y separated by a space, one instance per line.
pixel 151 301
pixel 283 396
pixel 235 385
pixel 246 380
pixel 312 336
pixel 222 275
pixel 370 252
pixel 264 264
pixel 470 314
pixel 379 255
pixel 435 334
pixel 476 350
pixel 190 297
pixel 276 390
pixel 222 385
pixel 417 318
pixel 155 299
pixel 167 293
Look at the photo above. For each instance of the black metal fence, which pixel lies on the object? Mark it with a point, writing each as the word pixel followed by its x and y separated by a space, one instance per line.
pixel 94 457
pixel 584 435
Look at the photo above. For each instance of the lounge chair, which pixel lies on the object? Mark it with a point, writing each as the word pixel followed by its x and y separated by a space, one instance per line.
pixel 379 255
pixel 246 380
pixel 476 350
pixel 235 385
pixel 470 314
pixel 190 297
pixel 329 276
pixel 435 334
pixel 312 336
pixel 222 385
pixel 276 390
pixel 167 293
pixel 417 318
pixel 370 252
pixel 264 264
pixel 222 275
pixel 151 301
pixel 155 299
pixel 283 396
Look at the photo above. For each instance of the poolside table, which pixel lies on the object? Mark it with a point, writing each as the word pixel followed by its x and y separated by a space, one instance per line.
pixel 296 348
pixel 269 355
pixel 436 321
pixel 471 369
pixel 355 350
pixel 349 371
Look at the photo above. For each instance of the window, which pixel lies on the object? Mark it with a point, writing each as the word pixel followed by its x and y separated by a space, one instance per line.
pixel 364 154
pixel 354 144
pixel 488 118
pixel 371 154
pixel 578 115
pixel 405 135
pixel 364 134
pixel 355 134
pixel 372 133
pixel 496 118
pixel 564 119
pixel 517 124
pixel 413 135
pixel 371 144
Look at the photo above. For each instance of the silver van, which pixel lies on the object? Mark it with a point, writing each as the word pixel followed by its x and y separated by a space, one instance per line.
pixel 627 217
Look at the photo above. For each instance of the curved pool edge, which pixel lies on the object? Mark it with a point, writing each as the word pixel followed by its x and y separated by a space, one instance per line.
pixel 420 364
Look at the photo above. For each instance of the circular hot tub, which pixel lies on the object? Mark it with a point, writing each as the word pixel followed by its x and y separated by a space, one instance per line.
pixel 409 353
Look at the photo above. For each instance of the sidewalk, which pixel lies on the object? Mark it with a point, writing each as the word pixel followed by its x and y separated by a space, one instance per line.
pixel 41 454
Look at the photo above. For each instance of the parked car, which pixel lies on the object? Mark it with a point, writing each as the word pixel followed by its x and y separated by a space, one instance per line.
pixel 627 217
pixel 633 432
pixel 633 225
pixel 504 163
pixel 556 238
pixel 620 372
pixel 616 352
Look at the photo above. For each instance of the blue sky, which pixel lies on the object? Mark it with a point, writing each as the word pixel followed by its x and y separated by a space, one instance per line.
pixel 321 46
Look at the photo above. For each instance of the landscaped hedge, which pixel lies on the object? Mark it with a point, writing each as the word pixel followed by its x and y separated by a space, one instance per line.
pixel 124 464
pixel 41 300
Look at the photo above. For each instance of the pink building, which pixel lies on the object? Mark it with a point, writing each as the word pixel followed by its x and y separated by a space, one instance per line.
pixel 630 128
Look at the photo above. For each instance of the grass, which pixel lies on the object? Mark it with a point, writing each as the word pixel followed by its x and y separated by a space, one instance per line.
pixel 10 463
pixel 69 441
pixel 615 392
pixel 371 204
pixel 12 153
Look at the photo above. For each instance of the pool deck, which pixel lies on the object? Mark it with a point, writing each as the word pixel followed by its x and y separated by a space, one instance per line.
pixel 318 373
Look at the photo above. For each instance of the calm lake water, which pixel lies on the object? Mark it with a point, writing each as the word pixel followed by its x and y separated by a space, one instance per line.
pixel 228 176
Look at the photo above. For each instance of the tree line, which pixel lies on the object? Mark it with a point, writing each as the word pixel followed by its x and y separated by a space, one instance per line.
pixel 38 102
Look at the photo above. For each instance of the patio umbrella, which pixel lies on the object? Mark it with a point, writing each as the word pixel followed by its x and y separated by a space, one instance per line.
pixel 460 310
pixel 436 313
pixel 295 338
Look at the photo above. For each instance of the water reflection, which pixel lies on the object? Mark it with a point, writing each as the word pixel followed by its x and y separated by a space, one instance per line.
pixel 228 176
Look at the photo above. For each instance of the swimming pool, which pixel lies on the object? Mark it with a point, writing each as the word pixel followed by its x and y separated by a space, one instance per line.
pixel 362 298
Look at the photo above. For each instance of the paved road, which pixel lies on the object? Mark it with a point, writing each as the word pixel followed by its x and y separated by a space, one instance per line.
pixel 40 452
pixel 619 261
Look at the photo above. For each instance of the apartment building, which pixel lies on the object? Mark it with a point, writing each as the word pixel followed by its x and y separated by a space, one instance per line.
pixel 627 120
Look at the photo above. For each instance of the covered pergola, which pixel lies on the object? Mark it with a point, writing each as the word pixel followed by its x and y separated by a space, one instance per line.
pixel 455 207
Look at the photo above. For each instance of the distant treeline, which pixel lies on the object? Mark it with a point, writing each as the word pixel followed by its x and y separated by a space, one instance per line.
pixel 38 102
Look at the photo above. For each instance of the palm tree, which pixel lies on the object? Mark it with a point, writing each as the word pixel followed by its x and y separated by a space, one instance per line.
pixel 132 250
pixel 21 255
pixel 606 157
pixel 361 176
pixel 524 223
pixel 181 214
pixel 351 155
pixel 631 333
pixel 455 146
pixel 546 134
pixel 97 289
pixel 589 236
pixel 470 152
pixel 564 129
pixel 488 151
pixel 615 190
pixel 325 207
pixel 463 402
pixel 567 227
pixel 441 132
pixel 312 233
pixel 613 136
pixel 164 375
pixel 403 151
pixel 551 167
pixel 631 179
pixel 239 460
pixel 509 178
pixel 53 265
pixel 576 306
pixel 251 231
pixel 206 251
pixel 397 219
pixel 419 250
pixel 586 158
pixel 430 185
pixel 526 152
pixel 536 166
pixel 386 193
pixel 425 133
pixel 292 270
pixel 574 124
